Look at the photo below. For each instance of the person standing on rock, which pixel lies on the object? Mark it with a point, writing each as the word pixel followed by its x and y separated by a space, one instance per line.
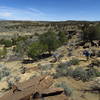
pixel 86 54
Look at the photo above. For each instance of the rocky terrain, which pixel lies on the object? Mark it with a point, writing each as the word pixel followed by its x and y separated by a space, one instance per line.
pixel 70 59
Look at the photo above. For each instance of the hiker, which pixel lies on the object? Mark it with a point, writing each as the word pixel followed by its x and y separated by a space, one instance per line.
pixel 87 54
pixel 15 88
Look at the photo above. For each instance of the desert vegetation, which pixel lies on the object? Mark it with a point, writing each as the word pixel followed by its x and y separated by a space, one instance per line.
pixel 78 73
pixel 67 90
pixel 51 48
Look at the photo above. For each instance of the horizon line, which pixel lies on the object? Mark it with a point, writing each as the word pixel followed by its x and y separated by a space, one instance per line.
pixel 52 20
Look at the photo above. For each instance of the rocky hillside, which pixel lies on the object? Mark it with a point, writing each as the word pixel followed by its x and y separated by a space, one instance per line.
pixel 71 71
pixel 15 28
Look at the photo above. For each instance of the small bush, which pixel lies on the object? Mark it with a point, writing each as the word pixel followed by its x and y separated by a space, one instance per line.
pixel 10 84
pixel 4 72
pixel 22 43
pixel 7 43
pixel 18 39
pixel 92 72
pixel 62 37
pixel 79 74
pixel 74 61
pixel 67 90
pixel 3 52
pixel 45 67
pixel 62 70
pixel 97 74
pixel 85 74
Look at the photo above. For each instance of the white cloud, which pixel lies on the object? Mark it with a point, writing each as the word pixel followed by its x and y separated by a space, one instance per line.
pixel 21 14
pixel 10 13
pixel 5 14
pixel 35 10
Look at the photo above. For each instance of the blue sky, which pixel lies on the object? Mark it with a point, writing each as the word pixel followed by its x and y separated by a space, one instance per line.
pixel 50 10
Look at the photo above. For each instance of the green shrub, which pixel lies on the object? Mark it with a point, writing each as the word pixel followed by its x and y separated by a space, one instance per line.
pixel 7 43
pixel 92 72
pixel 22 43
pixel 80 74
pixel 98 74
pixel 20 49
pixel 63 70
pixel 4 72
pixel 74 61
pixel 10 84
pixel 36 49
pixel 67 90
pixel 45 67
pixel 62 37
pixel 49 39
pixel 18 39
pixel 22 46
pixel 3 52
pixel 85 74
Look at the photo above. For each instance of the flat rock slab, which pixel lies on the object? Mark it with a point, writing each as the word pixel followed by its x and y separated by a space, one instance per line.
pixel 37 84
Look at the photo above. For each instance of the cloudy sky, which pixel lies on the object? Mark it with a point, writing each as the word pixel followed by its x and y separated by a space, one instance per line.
pixel 50 10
